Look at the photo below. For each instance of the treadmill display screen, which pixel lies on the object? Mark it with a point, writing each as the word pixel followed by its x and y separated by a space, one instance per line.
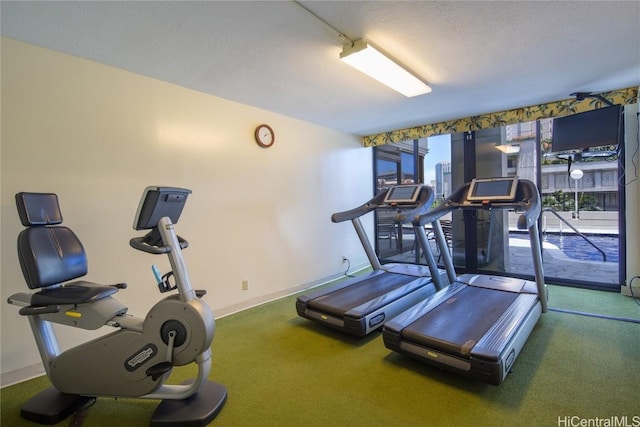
pixel 403 194
pixel 492 189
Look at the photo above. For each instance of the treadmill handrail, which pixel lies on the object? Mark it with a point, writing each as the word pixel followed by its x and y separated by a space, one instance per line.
pixel 527 199
pixel 426 198
pixel 527 194
pixel 423 204
pixel 361 210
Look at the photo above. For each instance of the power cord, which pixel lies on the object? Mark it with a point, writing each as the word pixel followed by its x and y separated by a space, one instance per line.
pixel 346 272
pixel 635 298
pixel 634 156
pixel 622 178
pixel 78 418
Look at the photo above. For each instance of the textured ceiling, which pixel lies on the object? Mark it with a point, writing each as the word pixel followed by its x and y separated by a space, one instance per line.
pixel 479 57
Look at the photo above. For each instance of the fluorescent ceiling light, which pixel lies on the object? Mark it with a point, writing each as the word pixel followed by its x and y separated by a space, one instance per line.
pixel 370 61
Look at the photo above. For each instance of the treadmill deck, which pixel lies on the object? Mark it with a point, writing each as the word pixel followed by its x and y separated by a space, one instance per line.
pixel 470 314
pixel 376 291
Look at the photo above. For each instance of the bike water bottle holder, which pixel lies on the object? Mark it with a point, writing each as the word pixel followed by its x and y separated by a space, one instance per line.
pixel 165 285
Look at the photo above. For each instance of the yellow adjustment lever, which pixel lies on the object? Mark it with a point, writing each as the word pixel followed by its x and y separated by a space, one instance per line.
pixel 72 313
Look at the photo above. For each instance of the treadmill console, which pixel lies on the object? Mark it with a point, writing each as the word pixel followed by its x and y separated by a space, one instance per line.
pixel 403 195
pixel 493 189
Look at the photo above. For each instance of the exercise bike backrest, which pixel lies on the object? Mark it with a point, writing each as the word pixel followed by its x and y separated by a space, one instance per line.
pixel 51 254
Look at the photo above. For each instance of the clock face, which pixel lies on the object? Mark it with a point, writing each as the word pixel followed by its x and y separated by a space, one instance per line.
pixel 265 136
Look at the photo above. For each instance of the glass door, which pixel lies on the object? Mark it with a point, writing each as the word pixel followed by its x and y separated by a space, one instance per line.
pixel 417 161
pixel 394 164
pixel 579 226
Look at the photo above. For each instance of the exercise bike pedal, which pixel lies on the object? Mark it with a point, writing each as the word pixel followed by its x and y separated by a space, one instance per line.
pixel 156 371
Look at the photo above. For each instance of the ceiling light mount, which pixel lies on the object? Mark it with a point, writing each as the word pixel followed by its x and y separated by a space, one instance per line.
pixel 369 60
pixel 340 34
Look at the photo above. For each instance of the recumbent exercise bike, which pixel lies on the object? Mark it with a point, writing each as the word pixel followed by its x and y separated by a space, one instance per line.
pixel 136 359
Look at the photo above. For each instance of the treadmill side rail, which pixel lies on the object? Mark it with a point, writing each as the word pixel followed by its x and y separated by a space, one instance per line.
pixel 499 283
pixel 496 339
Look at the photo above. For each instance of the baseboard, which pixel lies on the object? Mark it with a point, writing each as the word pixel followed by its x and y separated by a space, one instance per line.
pixel 631 291
pixel 245 305
pixel 33 371
pixel 20 375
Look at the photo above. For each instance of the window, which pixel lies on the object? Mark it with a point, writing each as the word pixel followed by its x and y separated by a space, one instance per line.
pixel 580 225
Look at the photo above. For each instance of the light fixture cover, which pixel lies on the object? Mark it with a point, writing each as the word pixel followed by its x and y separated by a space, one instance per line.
pixel 373 63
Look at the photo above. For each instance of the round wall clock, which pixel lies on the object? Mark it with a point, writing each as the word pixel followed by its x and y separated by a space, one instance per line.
pixel 265 136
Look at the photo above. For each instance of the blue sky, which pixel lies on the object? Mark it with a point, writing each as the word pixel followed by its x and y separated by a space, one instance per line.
pixel 439 149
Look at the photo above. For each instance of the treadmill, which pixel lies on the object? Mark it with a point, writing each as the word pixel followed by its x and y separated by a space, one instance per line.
pixel 478 324
pixel 361 305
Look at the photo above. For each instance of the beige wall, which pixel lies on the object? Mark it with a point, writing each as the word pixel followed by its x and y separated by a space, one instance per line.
pixel 98 136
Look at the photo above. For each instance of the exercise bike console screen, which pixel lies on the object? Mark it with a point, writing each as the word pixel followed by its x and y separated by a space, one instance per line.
pixel 159 202
pixel 492 189
pixel 403 194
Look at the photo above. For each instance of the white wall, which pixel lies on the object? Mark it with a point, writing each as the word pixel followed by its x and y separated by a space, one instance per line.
pixel 632 180
pixel 97 136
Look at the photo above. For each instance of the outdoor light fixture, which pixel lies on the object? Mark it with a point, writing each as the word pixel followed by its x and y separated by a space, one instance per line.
pixel 373 63
pixel 508 148
pixel 576 174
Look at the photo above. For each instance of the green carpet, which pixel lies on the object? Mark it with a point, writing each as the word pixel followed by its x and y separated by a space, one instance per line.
pixel 282 370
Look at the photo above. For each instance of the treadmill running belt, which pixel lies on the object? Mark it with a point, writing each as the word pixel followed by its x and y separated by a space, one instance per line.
pixel 339 302
pixel 470 314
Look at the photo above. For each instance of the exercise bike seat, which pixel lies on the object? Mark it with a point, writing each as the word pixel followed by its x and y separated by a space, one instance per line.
pixel 72 293
pixel 51 254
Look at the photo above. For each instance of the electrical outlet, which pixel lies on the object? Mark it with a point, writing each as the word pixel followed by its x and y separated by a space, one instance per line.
pixel 245 285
